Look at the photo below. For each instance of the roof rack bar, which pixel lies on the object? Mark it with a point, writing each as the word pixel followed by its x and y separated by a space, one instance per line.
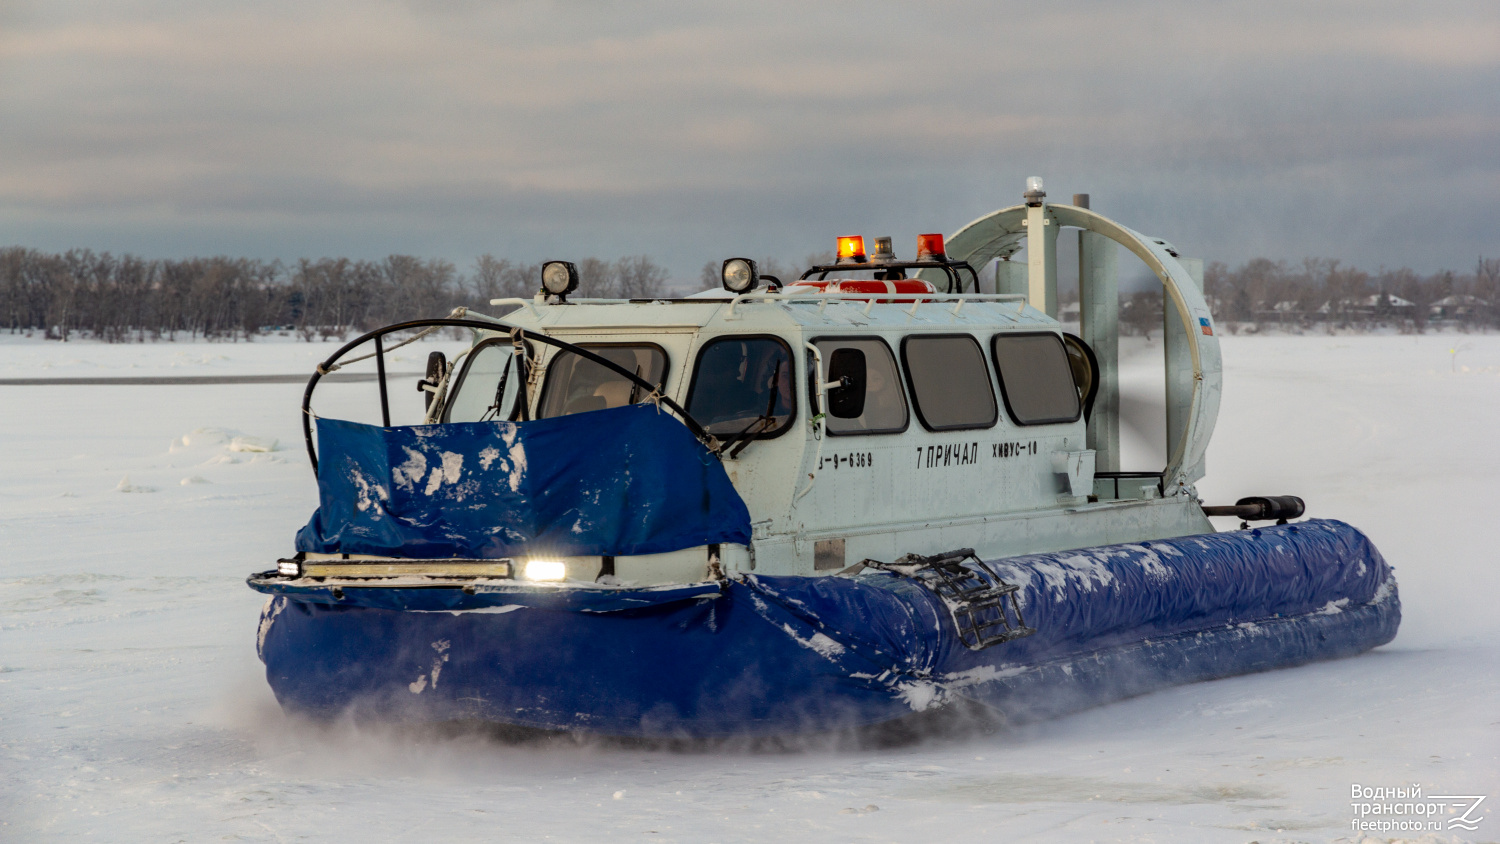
pixel 824 298
pixel 528 304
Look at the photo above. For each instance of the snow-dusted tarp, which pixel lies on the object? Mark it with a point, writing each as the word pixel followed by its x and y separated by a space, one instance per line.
pixel 631 480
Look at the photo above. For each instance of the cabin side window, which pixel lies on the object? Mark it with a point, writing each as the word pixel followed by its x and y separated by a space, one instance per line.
pixel 487 387
pixel 576 384
pixel 870 399
pixel 743 386
pixel 1036 378
pixel 950 384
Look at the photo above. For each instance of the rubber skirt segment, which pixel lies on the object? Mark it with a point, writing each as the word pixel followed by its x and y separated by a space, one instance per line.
pixel 705 667
pixel 769 655
pixel 1056 688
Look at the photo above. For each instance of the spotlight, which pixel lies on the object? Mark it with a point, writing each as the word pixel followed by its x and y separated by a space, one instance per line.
pixel 739 275
pixel 559 278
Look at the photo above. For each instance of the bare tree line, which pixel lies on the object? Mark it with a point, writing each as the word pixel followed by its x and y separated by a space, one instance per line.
pixel 1318 292
pixel 126 298
pixel 1323 294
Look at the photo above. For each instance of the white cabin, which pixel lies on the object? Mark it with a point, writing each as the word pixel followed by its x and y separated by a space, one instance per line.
pixel 971 431
pixel 860 426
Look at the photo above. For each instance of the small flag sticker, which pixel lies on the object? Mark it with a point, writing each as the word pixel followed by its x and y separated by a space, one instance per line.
pixel 1207 329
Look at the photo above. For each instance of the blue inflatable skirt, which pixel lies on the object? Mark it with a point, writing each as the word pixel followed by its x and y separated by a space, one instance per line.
pixel 774 655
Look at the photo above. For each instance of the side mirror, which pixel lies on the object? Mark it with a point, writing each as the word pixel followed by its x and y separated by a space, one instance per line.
pixel 1085 369
pixel 846 383
pixel 437 365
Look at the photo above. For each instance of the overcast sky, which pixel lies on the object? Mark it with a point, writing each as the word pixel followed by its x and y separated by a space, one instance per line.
pixel 1367 131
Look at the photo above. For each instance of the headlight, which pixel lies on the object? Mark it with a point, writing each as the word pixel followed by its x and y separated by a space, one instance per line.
pixel 288 568
pixel 559 278
pixel 545 570
pixel 740 275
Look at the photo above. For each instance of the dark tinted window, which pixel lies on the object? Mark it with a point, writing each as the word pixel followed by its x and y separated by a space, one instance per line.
pixel 476 394
pixel 743 385
pixel 577 385
pixel 1035 378
pixel 950 385
pixel 884 408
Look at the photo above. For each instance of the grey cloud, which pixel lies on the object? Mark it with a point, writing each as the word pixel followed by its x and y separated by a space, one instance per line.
pixel 685 131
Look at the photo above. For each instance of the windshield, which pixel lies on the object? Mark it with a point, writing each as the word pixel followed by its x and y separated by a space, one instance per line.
pixel 486 390
pixel 577 385
pixel 743 385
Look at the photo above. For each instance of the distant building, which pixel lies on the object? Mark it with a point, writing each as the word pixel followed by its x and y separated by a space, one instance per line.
pixel 1385 301
pixel 1460 306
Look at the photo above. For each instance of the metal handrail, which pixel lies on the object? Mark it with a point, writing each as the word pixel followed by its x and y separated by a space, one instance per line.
pixel 821 420
pixel 920 298
pixel 529 304
pixel 949 268
pixel 488 324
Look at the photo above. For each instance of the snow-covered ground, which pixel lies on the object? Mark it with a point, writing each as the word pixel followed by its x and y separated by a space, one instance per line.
pixel 132 706
pixel 24 356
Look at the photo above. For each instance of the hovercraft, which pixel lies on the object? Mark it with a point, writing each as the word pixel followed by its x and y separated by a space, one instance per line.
pixel 869 492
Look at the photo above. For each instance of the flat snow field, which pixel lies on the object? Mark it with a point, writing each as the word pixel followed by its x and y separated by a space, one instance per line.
pixel 133 708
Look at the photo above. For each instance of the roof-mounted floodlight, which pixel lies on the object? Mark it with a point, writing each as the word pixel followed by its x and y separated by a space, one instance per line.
pixel 559 278
pixel 1034 192
pixel 884 251
pixel 852 250
pixel 739 275
pixel 930 248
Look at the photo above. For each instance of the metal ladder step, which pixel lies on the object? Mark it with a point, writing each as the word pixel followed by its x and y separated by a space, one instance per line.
pixel 981 603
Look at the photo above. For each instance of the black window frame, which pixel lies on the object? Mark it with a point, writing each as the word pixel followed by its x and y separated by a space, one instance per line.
pixel 772 434
pixel 812 392
pixel 541 394
pixel 911 387
pixel 1000 377
pixel 458 383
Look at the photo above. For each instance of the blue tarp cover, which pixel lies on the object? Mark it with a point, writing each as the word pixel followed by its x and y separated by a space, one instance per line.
pixel 631 480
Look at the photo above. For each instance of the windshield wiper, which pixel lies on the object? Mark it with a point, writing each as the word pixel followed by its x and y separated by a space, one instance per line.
pixel 747 436
pixel 494 409
pixel 743 439
pixel 635 386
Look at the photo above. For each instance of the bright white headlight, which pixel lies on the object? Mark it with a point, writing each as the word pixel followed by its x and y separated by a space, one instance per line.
pixel 545 570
